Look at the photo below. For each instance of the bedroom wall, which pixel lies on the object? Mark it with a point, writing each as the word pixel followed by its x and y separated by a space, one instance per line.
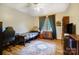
pixel 72 12
pixel 21 22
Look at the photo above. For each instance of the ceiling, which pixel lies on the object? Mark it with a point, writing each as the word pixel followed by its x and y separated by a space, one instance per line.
pixel 38 9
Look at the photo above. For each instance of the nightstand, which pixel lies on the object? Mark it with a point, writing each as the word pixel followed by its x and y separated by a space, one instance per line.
pixel 20 39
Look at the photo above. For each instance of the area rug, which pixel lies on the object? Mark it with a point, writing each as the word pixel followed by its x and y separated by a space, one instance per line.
pixel 38 48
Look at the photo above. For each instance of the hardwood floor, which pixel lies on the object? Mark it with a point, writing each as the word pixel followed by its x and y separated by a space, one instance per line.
pixel 14 50
pixel 59 45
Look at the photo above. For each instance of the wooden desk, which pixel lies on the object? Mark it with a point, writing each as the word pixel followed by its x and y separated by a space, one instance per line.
pixel 76 37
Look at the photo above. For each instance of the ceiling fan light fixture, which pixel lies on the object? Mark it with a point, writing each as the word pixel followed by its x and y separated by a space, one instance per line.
pixel 37 9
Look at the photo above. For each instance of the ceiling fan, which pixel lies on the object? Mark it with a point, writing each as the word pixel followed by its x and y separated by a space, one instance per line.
pixel 32 4
pixel 35 7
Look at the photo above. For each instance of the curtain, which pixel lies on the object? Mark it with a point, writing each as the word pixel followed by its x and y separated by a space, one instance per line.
pixel 52 22
pixel 41 22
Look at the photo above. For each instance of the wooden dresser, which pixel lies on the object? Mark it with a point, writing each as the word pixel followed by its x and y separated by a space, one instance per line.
pixel 46 35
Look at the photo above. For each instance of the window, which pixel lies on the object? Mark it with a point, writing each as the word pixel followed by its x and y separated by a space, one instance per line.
pixel 46 26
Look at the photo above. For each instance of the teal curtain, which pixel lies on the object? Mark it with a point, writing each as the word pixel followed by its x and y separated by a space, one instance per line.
pixel 52 22
pixel 41 22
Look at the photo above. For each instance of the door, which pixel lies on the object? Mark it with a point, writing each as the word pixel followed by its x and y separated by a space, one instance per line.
pixel 65 21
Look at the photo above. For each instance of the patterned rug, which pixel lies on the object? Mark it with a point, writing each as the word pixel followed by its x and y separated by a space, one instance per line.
pixel 35 48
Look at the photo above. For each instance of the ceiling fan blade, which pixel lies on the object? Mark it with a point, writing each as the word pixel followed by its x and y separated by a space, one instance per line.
pixel 31 4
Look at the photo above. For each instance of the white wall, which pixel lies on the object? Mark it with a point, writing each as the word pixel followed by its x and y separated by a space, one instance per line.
pixel 72 12
pixel 21 22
